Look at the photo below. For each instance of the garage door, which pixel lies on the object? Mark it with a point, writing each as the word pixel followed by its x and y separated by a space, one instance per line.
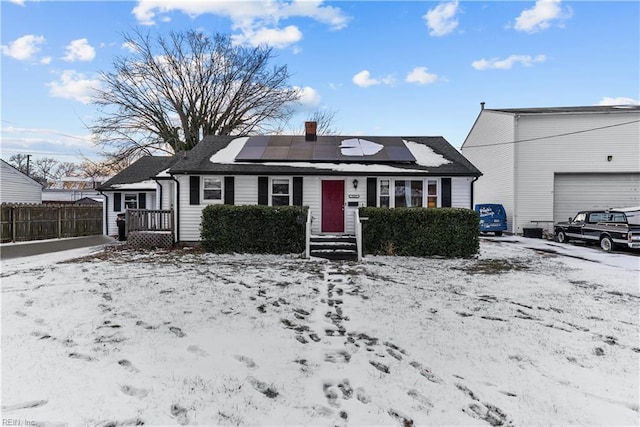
pixel 577 192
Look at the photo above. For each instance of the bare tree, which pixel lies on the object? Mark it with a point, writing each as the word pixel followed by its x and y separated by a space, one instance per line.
pixel 44 167
pixel 65 169
pixel 20 162
pixel 176 90
pixel 324 119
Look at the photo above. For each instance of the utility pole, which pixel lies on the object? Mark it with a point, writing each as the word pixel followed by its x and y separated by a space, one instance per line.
pixel 28 159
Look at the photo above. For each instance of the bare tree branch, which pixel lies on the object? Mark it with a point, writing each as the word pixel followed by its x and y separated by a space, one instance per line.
pixel 174 91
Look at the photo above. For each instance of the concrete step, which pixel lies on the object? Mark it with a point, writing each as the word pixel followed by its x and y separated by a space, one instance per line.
pixel 334 247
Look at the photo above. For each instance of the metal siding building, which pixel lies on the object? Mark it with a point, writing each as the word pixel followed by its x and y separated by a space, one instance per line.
pixel 16 187
pixel 545 164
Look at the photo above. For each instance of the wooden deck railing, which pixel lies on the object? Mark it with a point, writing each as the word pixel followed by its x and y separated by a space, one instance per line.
pixel 149 220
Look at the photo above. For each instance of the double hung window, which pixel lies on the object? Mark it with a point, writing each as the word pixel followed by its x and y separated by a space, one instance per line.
pixel 212 189
pixel 408 194
pixel 280 192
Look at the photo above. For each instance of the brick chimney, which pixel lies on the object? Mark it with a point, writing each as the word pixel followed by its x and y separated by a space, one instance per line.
pixel 310 131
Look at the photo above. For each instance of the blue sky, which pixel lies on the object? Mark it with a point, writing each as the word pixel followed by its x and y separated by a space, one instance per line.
pixel 384 67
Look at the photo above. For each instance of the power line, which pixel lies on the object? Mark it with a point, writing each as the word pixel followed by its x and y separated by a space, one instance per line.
pixel 552 136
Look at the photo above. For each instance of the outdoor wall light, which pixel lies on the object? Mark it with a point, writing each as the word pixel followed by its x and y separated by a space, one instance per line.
pixel 609 158
pixel 355 184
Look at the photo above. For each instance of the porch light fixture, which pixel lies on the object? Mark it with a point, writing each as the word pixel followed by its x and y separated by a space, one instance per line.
pixel 355 184
pixel 609 158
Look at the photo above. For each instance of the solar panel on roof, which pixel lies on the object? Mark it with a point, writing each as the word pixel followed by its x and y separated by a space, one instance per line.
pixel 325 149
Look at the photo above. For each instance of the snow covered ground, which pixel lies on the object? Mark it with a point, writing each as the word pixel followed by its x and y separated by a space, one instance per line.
pixel 520 335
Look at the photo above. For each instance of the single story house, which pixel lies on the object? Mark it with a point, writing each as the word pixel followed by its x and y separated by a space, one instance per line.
pixel 16 187
pixel 546 164
pixel 332 175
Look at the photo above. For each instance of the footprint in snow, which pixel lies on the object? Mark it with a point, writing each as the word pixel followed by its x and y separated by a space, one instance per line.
pixel 24 405
pixel 127 365
pixel 81 356
pixel 177 331
pixel 248 362
pixel 180 413
pixel 133 391
pixel 197 350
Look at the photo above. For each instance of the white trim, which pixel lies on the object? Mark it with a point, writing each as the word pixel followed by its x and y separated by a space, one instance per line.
pixel 289 180
pixel 205 201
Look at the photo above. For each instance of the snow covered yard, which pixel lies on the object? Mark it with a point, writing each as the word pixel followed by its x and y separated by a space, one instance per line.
pixel 520 335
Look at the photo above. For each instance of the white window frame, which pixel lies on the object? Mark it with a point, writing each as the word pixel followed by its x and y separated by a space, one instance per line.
pixel 437 195
pixel 203 189
pixel 392 186
pixel 124 200
pixel 289 187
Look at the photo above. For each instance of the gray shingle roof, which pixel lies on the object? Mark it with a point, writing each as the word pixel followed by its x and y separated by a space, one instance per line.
pixel 142 169
pixel 197 161
pixel 556 110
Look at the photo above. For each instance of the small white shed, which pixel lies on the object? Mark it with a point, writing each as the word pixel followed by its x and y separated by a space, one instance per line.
pixel 16 187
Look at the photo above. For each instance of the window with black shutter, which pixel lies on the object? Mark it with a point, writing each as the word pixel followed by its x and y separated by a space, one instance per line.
pixel 229 190
pixel 117 202
pixel 194 190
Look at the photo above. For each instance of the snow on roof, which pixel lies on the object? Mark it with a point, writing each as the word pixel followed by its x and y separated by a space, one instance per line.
pixel 425 156
pixel 142 185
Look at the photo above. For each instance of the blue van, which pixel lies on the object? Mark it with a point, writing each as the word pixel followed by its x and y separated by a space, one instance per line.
pixel 493 218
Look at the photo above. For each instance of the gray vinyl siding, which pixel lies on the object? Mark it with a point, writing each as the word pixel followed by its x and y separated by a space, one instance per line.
pixel 190 215
pixel 489 148
pixel 539 160
pixel 246 193
pixel 18 188
pixel 109 227
pixel 461 192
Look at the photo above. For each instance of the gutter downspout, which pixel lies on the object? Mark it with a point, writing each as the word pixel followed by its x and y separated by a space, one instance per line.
pixel 106 213
pixel 159 185
pixel 472 182
pixel 177 218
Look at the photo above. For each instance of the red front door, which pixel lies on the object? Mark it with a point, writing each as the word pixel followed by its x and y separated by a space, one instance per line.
pixel 333 206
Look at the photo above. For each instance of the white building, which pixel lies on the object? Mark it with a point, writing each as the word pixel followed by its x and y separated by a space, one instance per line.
pixel 333 176
pixel 16 187
pixel 545 164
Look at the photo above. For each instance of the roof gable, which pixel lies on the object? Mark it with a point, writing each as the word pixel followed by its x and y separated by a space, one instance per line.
pixel 140 174
pixel 9 168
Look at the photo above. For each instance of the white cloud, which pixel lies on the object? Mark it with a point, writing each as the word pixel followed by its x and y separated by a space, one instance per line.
pixel 18 2
pixel 621 100
pixel 79 50
pixel 441 20
pixel 23 48
pixel 73 85
pixel 421 76
pixel 363 79
pixel 541 16
pixel 46 60
pixel 309 98
pixel 507 63
pixel 253 19
pixel 274 37
pixel 129 46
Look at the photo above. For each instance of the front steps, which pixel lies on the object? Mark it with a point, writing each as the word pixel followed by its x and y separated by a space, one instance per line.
pixel 334 247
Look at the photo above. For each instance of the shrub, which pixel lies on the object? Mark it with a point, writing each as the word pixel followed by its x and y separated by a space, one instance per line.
pixel 253 229
pixel 447 232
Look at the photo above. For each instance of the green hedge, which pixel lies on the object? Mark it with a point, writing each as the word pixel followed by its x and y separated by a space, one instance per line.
pixel 254 229
pixel 447 232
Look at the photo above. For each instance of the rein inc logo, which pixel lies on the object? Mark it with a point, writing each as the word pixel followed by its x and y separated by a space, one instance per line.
pixel 18 422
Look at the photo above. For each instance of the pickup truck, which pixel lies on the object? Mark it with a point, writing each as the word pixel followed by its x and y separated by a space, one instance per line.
pixel 608 228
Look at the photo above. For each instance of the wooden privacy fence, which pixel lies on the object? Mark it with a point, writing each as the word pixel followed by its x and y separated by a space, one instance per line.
pixel 21 223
